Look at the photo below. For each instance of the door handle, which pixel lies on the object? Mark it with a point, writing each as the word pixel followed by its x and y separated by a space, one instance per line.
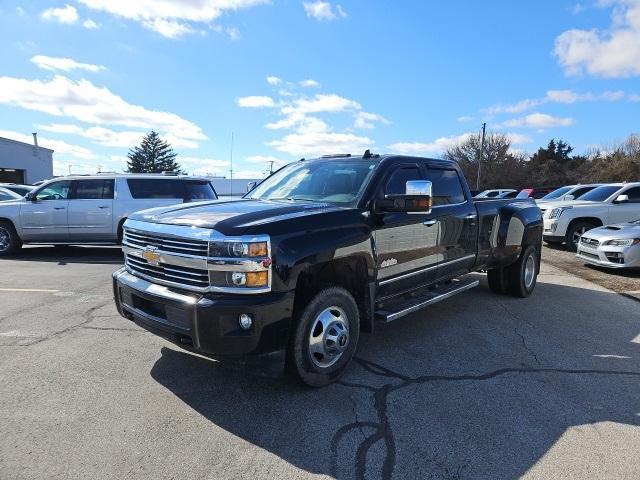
pixel 471 216
pixel 103 206
pixel 58 208
pixel 429 223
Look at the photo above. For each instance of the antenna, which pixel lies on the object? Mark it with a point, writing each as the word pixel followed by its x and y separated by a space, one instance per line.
pixel 231 169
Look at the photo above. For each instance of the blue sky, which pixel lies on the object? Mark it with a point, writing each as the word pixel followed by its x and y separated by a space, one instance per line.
pixel 294 78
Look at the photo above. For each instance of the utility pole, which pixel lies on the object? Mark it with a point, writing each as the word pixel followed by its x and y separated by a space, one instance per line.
pixel 484 126
pixel 270 167
pixel 231 170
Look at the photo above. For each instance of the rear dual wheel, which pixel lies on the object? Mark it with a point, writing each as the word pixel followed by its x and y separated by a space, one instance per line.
pixel 518 279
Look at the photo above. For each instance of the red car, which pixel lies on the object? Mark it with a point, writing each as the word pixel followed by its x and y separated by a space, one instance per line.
pixel 535 192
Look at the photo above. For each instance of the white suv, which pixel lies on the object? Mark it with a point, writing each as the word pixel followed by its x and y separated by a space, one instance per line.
pixel 566 221
pixel 91 209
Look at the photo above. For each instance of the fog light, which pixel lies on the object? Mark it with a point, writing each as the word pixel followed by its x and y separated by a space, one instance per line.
pixel 245 321
pixel 257 279
pixel 239 278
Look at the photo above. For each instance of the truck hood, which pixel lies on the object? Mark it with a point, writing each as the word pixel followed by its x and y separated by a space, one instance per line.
pixel 230 215
pixel 617 231
pixel 570 203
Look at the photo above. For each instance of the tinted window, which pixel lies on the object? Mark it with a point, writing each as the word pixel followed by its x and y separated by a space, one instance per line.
pixel 578 192
pixel 397 183
pixel 195 191
pixel 558 192
pixel 447 188
pixel 600 194
pixel 634 194
pixel 93 189
pixel 19 190
pixel 6 196
pixel 55 191
pixel 492 194
pixel 510 195
pixel 186 190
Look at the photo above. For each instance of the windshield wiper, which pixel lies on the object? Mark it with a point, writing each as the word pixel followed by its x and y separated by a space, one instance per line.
pixel 293 199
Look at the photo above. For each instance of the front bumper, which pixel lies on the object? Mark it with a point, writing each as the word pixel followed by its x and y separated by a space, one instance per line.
pixel 208 323
pixel 609 256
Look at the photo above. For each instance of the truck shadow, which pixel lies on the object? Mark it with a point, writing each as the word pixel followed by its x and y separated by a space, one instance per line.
pixel 63 255
pixel 484 388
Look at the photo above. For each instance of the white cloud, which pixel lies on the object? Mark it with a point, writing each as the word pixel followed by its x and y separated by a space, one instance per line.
pixel 203 166
pixel 323 103
pixel 58 146
pixel 321 143
pixel 517 107
pixel 368 120
pixel 64 64
pixel 88 103
pixel 436 146
pixel 321 10
pixel 310 83
pixel 272 80
pixel 256 101
pixel 465 119
pixel 614 52
pixel 555 96
pixel 634 97
pixel 90 24
pixel 67 15
pixel 172 18
pixel 518 138
pixel 539 120
pixel 234 33
pixel 249 174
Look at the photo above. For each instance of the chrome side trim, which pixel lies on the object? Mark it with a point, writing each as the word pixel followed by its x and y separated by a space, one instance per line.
pixel 426 269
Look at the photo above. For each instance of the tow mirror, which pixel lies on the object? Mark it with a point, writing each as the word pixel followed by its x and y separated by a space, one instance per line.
pixel 622 199
pixel 416 199
pixel 251 185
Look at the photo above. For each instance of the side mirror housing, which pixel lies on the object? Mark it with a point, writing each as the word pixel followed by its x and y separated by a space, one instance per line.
pixel 569 197
pixel 251 186
pixel 416 199
pixel 30 196
pixel 621 199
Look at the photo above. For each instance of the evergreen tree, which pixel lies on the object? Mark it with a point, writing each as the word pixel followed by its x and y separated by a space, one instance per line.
pixel 154 155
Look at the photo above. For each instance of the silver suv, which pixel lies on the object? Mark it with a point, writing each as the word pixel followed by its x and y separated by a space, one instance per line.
pixel 91 209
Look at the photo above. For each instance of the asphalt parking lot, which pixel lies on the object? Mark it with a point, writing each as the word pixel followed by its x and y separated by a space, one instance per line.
pixel 479 386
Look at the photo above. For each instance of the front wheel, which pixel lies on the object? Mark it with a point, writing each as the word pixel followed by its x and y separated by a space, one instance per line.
pixel 9 239
pixel 523 274
pixel 575 231
pixel 325 337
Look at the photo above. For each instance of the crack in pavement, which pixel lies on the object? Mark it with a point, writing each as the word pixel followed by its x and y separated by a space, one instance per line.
pixel 382 428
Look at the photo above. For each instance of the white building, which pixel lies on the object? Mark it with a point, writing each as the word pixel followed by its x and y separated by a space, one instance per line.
pixel 24 162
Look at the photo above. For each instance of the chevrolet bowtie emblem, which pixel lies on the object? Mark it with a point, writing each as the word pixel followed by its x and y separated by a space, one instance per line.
pixel 151 255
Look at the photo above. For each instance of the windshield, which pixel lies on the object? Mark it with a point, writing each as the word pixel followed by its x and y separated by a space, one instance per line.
pixel 600 194
pixel 331 181
pixel 558 192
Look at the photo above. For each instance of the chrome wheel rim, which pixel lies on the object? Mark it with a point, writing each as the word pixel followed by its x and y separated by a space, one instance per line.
pixel 5 239
pixel 578 233
pixel 529 271
pixel 329 337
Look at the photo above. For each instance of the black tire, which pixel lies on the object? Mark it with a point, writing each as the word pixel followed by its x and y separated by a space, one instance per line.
pixel 10 242
pixel 316 369
pixel 522 275
pixel 553 242
pixel 498 281
pixel 120 232
pixel 574 231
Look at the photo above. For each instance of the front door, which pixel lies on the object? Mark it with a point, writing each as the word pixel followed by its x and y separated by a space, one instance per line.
pixel 91 210
pixel 626 211
pixel 405 243
pixel 457 223
pixel 45 218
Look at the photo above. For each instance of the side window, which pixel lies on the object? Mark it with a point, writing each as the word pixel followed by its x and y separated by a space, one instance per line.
pixel 93 189
pixel 634 194
pixel 198 190
pixel 447 189
pixel 155 188
pixel 55 191
pixel 397 183
pixel 580 191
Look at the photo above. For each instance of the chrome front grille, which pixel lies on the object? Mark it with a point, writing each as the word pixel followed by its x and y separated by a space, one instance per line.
pixel 138 239
pixel 179 275
pixel 589 241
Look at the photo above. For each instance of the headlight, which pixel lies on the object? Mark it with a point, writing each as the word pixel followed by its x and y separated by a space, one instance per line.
pixel 239 279
pixel 238 249
pixel 556 212
pixel 626 242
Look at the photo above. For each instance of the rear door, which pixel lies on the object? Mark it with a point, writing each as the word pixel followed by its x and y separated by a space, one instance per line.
pixel 45 218
pixel 457 223
pixel 91 210
pixel 626 211
pixel 405 242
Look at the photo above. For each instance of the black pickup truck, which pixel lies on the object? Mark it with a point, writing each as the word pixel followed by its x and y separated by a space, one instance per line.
pixel 316 254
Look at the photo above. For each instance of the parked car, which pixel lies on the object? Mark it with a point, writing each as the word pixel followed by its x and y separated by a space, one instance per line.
pixel 536 193
pixel 566 221
pixel 91 209
pixel 570 192
pixel 494 193
pixel 21 190
pixel 613 246
pixel 6 194
pixel 315 254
